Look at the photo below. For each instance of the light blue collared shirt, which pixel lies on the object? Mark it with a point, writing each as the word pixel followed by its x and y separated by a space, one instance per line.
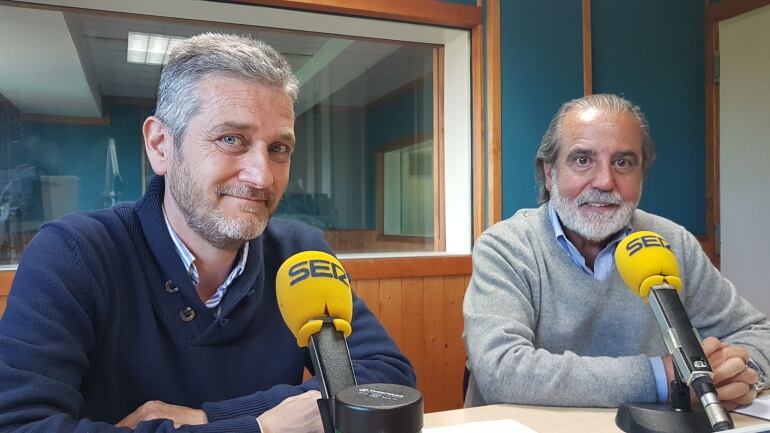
pixel 605 260
pixel 188 259
pixel 603 266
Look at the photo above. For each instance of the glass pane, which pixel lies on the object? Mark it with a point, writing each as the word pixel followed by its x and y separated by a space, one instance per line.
pixel 408 205
pixel 76 85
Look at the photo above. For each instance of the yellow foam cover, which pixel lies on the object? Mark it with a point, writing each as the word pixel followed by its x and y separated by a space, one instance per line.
pixel 644 260
pixel 309 285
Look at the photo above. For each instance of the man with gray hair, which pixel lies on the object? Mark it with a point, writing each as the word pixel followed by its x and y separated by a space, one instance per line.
pixel 548 319
pixel 161 315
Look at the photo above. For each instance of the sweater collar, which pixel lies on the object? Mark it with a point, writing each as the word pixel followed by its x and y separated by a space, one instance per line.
pixel 149 210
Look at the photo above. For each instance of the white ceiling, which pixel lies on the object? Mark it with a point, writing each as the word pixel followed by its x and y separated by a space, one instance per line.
pixel 40 71
pixel 63 63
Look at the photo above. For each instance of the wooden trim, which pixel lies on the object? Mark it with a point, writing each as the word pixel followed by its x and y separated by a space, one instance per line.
pixel 433 12
pixel 714 13
pixel 74 120
pixel 711 29
pixel 712 188
pixel 494 122
pixel 477 95
pixel 408 267
pixel 439 170
pixel 588 85
pixel 725 9
pixel 407 239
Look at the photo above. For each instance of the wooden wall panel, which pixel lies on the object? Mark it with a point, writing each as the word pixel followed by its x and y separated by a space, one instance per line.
pixel 6 279
pixel 412 340
pixel 454 348
pixel 423 315
pixel 391 307
pixel 369 291
pixel 433 384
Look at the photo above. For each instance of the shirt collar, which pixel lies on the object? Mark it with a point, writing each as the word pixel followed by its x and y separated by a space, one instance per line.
pixel 605 260
pixel 188 260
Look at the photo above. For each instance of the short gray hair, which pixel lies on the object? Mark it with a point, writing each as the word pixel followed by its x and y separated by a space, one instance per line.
pixel 549 146
pixel 207 54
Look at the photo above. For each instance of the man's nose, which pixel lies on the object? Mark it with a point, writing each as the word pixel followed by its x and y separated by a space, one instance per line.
pixel 255 168
pixel 604 178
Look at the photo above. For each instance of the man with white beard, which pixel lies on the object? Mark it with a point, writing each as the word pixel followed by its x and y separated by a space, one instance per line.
pixel 549 321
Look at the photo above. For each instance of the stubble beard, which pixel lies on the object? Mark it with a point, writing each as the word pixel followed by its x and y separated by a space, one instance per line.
pixel 593 226
pixel 209 222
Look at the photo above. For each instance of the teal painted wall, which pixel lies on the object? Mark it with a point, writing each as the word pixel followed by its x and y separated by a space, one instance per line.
pixel 650 51
pixel 541 67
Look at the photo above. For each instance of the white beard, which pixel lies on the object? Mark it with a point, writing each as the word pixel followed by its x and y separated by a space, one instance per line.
pixel 592 226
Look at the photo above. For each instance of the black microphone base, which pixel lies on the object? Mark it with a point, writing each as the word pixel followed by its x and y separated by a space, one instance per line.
pixel 660 418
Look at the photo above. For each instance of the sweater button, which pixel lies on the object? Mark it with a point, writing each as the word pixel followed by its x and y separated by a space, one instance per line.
pixel 170 287
pixel 187 314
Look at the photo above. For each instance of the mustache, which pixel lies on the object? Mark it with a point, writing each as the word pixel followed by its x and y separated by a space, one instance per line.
pixel 598 196
pixel 247 192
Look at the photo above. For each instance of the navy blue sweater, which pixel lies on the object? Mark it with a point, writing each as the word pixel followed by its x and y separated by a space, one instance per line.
pixel 94 328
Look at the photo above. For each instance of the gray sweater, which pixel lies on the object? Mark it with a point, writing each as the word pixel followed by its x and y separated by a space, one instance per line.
pixel 539 330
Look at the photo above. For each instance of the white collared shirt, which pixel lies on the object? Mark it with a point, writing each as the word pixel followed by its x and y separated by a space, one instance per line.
pixel 188 259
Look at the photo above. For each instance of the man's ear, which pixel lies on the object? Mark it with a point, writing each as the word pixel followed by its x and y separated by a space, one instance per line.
pixel 547 174
pixel 158 144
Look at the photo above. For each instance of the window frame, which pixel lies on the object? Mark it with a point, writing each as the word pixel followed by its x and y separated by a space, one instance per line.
pixel 456 123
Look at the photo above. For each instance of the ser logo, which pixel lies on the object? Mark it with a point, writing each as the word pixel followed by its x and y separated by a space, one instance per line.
pixel 317 268
pixel 645 241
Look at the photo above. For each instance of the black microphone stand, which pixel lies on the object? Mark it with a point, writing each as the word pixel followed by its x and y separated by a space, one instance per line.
pixel 676 417
pixel 333 368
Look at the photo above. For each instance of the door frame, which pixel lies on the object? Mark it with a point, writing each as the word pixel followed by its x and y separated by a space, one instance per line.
pixel 715 12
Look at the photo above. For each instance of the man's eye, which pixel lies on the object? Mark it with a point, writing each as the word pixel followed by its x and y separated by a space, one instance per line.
pixel 624 164
pixel 229 140
pixel 582 161
pixel 280 148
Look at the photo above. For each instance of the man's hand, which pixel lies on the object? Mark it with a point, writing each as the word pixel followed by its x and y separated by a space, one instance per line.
pixel 298 414
pixel 733 380
pixel 180 415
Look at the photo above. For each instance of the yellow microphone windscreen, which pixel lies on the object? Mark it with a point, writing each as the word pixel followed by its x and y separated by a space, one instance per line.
pixel 644 259
pixel 309 285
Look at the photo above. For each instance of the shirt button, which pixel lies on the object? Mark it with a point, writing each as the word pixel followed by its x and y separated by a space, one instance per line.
pixel 187 314
pixel 170 287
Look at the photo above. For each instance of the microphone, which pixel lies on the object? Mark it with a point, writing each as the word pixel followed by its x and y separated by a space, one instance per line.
pixel 314 297
pixel 649 268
